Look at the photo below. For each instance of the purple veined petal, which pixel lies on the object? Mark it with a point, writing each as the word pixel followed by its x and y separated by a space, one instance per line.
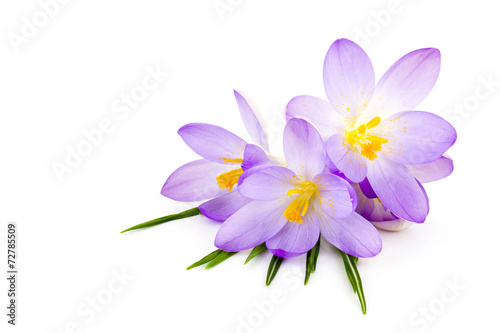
pixel 266 182
pixel 318 112
pixel 372 209
pixel 367 189
pixel 353 235
pixel 394 225
pixel 222 207
pixel 295 239
pixel 405 84
pixel 251 122
pixel 398 190
pixel 253 224
pixel 253 156
pixel 349 79
pixel 346 159
pixel 430 172
pixel 335 195
pixel 303 148
pixel 195 181
pixel 213 142
pixel 415 137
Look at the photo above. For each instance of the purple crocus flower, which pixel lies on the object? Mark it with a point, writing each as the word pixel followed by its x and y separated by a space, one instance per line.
pixel 291 206
pixel 225 157
pixel 371 208
pixel 369 129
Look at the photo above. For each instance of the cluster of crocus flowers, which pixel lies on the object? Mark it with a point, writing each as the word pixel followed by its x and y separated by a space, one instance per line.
pixel 353 162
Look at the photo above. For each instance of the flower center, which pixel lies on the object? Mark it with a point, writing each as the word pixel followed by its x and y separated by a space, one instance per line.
pixel 299 206
pixel 230 178
pixel 365 143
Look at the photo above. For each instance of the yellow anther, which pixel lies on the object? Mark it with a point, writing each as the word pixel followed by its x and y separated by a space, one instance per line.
pixel 229 179
pixel 232 160
pixel 300 205
pixel 366 144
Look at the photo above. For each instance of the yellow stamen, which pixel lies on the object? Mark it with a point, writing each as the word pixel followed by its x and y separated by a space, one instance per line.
pixel 232 160
pixel 366 144
pixel 300 205
pixel 229 179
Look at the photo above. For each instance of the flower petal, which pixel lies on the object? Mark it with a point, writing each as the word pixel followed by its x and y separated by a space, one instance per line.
pixel 367 189
pixel 349 78
pixel 266 182
pixel 405 84
pixel 295 239
pixel 195 181
pixel 251 122
pixel 336 196
pixel 353 235
pixel 398 190
pixel 253 156
pixel 251 225
pixel 372 209
pixel 212 142
pixel 222 207
pixel 394 225
pixel 430 172
pixel 318 112
pixel 304 149
pixel 348 161
pixel 415 137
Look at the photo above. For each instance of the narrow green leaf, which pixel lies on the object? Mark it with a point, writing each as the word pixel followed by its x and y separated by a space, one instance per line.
pixel 205 259
pixel 316 253
pixel 160 220
pixel 311 260
pixel 345 258
pixel 274 266
pixel 220 258
pixel 350 263
pixel 255 251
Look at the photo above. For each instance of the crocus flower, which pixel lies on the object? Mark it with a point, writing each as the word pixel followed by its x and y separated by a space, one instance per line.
pixel 225 157
pixel 371 208
pixel 291 206
pixel 370 130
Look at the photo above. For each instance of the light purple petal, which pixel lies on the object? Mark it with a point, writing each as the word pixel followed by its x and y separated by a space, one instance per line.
pixel 251 122
pixel 212 142
pixel 372 209
pixel 221 208
pixel 394 225
pixel 304 149
pixel 336 196
pixel 253 224
pixel 266 182
pixel 405 84
pixel 295 239
pixel 195 181
pixel 318 112
pixel 253 156
pixel 430 172
pixel 398 190
pixel 353 235
pixel 346 159
pixel 415 137
pixel 349 78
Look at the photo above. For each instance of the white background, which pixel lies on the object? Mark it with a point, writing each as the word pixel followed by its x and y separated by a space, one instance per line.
pixel 65 79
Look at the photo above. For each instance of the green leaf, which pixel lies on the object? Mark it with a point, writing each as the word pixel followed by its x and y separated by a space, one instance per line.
pixel 220 258
pixel 353 274
pixel 205 259
pixel 168 218
pixel 274 266
pixel 311 260
pixel 255 251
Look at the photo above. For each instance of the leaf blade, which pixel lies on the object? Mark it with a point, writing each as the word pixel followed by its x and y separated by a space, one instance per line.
pixel 274 266
pixel 255 251
pixel 164 219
